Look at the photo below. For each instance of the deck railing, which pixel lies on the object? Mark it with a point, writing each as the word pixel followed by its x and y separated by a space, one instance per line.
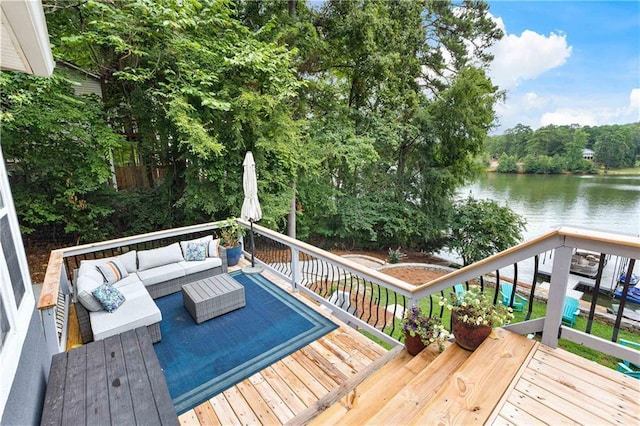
pixel 369 299
pixel 56 288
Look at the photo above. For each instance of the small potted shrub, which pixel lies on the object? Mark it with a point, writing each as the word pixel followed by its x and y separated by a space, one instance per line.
pixel 473 316
pixel 420 330
pixel 230 236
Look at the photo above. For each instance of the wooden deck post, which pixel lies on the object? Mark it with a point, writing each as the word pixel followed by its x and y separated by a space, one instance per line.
pixel 557 293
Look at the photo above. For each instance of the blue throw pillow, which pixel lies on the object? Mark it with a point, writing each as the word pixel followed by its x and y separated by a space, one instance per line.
pixel 196 251
pixel 109 297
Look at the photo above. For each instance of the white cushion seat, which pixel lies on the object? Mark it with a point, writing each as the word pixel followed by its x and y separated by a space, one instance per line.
pixel 161 273
pixel 138 310
pixel 191 267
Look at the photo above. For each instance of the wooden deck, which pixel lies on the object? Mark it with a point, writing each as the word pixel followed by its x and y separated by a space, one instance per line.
pixel 344 378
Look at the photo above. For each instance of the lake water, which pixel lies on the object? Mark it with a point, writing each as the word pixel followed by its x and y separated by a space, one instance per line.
pixel 604 203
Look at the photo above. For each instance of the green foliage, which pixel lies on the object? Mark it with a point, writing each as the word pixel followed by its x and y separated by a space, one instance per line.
pixel 480 228
pixel 542 164
pixel 395 255
pixel 59 146
pixel 194 89
pixel 371 111
pixel 231 233
pixel 553 149
pixel 507 164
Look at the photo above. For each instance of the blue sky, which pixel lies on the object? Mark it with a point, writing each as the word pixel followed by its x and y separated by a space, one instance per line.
pixel 567 62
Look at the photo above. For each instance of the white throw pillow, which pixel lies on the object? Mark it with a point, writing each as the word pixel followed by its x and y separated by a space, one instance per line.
pixel 148 259
pixel 113 271
pixel 213 248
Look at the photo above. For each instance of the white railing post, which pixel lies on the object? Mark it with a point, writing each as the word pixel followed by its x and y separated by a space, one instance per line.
pixel 557 293
pixel 295 268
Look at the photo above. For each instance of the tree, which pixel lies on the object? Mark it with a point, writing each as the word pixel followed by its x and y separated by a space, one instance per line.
pixel 480 228
pixel 59 148
pixel 507 164
pixel 612 147
pixel 193 89
pixel 397 121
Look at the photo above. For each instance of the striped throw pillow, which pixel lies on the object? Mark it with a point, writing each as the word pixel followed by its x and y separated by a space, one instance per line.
pixel 113 271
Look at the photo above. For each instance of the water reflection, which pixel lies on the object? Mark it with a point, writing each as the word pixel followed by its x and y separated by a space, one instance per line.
pixel 608 203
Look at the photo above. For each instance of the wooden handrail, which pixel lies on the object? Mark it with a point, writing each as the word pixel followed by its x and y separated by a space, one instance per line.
pixel 51 283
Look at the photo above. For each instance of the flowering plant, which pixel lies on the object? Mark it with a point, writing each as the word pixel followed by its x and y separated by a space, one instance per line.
pixel 230 233
pixel 430 329
pixel 476 308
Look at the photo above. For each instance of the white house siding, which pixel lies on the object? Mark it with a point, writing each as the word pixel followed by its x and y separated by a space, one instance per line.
pixel 24 406
pixel 24 358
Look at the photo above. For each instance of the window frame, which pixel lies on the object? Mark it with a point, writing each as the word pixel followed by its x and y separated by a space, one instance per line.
pixel 19 317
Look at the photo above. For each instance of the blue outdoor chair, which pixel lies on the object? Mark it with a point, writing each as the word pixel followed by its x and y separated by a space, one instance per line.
pixel 570 311
pixel 459 289
pixel 626 367
pixel 519 302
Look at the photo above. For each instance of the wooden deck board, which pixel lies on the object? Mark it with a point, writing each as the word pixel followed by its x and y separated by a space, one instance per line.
pixel 296 384
pixel 374 394
pixel 409 400
pixel 277 405
pixel 241 408
pixel 470 395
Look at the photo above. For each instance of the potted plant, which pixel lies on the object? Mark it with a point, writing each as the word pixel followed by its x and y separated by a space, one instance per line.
pixel 230 235
pixel 420 330
pixel 473 316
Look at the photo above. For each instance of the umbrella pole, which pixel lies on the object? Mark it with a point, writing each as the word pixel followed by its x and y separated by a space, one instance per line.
pixel 253 247
pixel 253 269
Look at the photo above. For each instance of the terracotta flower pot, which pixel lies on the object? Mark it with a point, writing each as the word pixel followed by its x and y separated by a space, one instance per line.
pixel 468 336
pixel 413 344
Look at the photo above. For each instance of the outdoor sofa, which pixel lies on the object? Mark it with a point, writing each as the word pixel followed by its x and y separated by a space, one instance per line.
pixel 139 277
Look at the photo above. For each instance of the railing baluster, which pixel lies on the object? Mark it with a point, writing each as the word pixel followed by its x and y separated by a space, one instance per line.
pixel 595 294
pixel 536 262
pixel 623 300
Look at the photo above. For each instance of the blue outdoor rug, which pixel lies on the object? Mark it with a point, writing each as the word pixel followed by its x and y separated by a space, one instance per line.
pixel 200 361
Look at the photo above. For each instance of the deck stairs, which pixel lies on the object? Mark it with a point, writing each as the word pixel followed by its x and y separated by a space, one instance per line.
pixel 456 386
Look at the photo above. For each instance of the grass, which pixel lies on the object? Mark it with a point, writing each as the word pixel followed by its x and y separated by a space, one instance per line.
pixel 598 328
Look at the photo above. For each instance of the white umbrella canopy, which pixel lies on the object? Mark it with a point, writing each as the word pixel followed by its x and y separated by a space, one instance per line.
pixel 251 210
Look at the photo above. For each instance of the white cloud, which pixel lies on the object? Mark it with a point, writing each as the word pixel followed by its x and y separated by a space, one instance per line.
pixel 586 114
pixel 525 57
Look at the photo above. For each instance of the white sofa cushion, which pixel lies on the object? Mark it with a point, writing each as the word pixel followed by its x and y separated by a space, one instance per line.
pixel 153 258
pixel 161 273
pixel 88 269
pixel 139 310
pixel 85 285
pixel 131 279
pixel 200 265
pixel 128 260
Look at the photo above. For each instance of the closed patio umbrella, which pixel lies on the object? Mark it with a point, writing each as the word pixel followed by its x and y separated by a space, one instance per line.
pixel 251 210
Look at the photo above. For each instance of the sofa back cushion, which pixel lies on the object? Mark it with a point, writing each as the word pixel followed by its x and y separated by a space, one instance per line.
pixel 84 287
pixel 153 258
pixel 128 260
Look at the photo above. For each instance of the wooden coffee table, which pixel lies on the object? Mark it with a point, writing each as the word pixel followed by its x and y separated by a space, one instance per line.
pixel 211 297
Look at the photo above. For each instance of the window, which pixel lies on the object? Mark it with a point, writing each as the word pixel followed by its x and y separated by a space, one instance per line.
pixel 11 258
pixel 4 324
pixel 16 296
